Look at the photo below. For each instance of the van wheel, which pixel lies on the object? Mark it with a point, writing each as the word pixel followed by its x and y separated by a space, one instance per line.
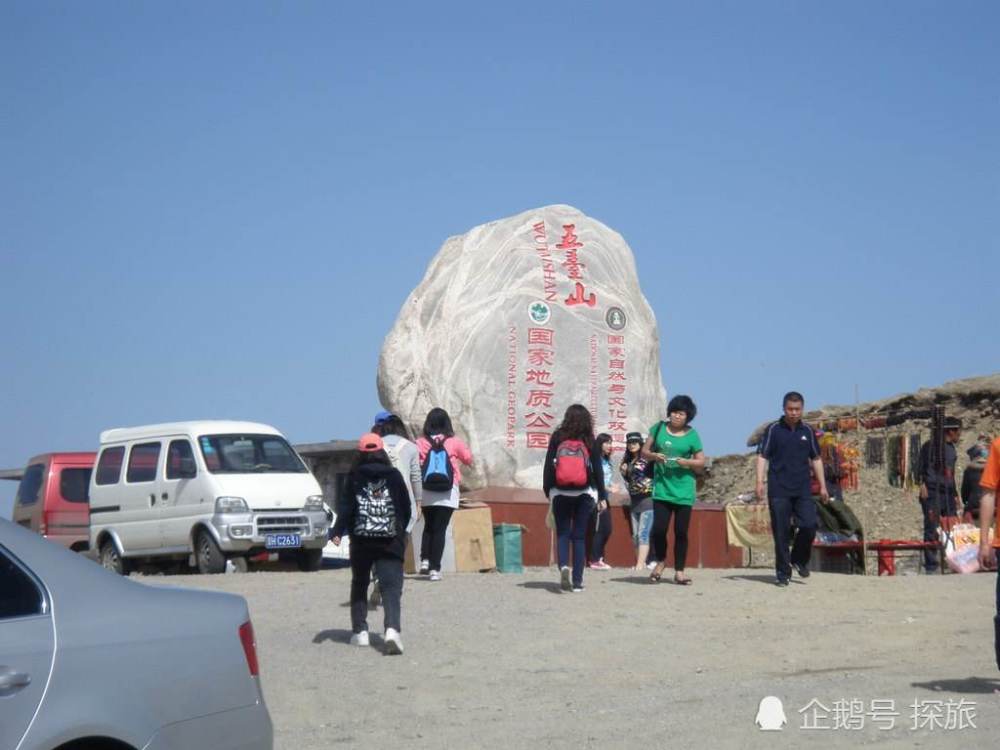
pixel 240 564
pixel 310 560
pixel 111 560
pixel 208 555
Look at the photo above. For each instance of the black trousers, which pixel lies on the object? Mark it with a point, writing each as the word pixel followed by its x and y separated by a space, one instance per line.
pixel 601 523
pixel 390 580
pixel 933 508
pixel 783 509
pixel 662 512
pixel 436 520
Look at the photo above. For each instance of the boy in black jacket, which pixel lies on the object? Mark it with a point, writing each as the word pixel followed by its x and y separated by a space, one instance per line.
pixel 374 510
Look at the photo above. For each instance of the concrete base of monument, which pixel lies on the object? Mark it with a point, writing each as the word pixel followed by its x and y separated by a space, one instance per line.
pixel 707 546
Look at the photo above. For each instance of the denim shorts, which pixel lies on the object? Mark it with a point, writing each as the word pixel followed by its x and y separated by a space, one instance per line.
pixel 642 524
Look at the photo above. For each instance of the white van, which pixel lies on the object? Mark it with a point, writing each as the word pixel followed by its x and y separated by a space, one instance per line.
pixel 206 491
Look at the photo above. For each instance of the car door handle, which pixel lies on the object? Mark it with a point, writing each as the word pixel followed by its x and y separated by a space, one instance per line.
pixel 152 500
pixel 164 496
pixel 11 681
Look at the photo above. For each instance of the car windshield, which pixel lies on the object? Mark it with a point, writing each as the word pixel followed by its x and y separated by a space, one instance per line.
pixel 249 454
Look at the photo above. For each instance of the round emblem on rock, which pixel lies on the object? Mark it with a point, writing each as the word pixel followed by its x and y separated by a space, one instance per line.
pixel 615 318
pixel 539 313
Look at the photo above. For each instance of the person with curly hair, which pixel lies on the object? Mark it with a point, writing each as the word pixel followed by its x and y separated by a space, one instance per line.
pixel 675 449
pixel 573 480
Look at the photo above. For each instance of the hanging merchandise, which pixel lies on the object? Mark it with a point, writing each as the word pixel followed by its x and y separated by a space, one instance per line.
pixel 904 460
pixel 850 466
pixel 914 451
pixel 846 424
pixel 897 460
pixel 874 452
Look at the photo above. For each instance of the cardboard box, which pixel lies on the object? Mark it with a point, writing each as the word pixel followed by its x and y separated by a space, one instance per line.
pixel 472 533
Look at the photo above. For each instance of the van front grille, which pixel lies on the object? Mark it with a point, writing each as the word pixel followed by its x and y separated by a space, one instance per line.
pixel 286 524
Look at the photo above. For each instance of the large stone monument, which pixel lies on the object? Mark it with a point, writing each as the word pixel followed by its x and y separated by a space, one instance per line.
pixel 513 322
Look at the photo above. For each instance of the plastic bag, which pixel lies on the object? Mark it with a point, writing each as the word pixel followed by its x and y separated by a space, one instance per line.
pixel 961 548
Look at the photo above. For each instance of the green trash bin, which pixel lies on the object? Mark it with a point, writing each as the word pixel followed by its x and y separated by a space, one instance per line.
pixel 507 543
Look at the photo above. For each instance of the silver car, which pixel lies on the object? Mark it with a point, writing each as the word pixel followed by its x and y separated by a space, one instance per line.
pixel 86 655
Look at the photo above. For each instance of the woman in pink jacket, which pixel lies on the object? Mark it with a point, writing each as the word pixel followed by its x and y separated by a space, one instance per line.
pixel 440 454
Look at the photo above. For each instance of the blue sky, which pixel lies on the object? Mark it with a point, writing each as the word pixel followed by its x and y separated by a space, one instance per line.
pixel 217 209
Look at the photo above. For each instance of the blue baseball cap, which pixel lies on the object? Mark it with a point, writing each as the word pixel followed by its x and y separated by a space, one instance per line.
pixel 382 416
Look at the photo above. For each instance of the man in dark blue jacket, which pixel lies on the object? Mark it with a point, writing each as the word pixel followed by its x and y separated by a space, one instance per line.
pixel 784 456
pixel 938 493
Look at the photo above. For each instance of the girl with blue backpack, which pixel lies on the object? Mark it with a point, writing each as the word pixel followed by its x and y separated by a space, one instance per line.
pixel 573 480
pixel 440 455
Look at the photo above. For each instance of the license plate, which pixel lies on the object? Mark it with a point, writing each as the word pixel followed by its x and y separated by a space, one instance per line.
pixel 282 541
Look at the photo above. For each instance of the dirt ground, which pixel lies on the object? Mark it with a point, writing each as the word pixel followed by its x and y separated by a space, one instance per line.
pixel 509 661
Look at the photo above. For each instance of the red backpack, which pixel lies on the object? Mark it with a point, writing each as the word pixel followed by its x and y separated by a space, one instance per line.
pixel 572 465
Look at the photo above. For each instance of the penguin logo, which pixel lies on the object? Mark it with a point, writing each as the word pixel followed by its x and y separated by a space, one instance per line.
pixel 770 715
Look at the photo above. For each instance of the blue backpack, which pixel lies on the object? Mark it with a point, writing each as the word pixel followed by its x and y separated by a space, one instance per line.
pixel 437 474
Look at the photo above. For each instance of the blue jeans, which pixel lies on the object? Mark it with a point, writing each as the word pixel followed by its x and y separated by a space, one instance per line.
pixel 642 524
pixel 572 514
pixel 783 509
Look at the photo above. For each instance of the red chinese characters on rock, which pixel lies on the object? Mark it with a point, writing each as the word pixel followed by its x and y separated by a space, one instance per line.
pixel 540 357
pixel 541 336
pixel 577 297
pixel 538 420
pixel 569 239
pixel 570 246
pixel 617 396
pixel 539 398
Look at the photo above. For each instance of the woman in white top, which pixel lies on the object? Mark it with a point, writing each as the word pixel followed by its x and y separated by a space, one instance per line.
pixel 405 459
pixel 404 456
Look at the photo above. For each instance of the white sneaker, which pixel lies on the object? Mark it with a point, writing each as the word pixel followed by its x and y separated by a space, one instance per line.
pixel 425 566
pixel 360 639
pixel 435 575
pixel 651 565
pixel 393 643
pixel 564 582
pixel 578 589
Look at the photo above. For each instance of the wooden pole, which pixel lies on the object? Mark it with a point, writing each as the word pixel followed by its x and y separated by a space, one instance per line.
pixel 865 527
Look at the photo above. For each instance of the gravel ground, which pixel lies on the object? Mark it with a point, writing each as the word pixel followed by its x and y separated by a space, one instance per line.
pixel 508 661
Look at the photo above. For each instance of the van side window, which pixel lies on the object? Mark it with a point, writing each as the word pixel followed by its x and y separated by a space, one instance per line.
pixel 31 484
pixel 19 596
pixel 74 485
pixel 180 460
pixel 109 467
pixel 142 462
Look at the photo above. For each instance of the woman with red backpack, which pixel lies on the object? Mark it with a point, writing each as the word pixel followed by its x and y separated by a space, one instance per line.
pixel 440 454
pixel 573 480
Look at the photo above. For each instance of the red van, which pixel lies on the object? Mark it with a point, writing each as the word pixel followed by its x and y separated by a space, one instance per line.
pixel 53 498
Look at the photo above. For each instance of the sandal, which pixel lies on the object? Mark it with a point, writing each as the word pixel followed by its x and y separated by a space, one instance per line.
pixel 683 581
pixel 655 576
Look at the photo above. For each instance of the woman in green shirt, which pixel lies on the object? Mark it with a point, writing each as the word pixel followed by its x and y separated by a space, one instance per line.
pixel 675 449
